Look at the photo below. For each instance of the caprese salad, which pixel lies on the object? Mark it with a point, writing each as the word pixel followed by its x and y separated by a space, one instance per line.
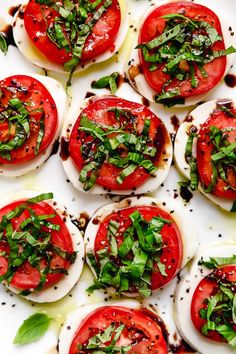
pixel 115 327
pixel 137 246
pixel 111 145
pixel 205 151
pixel 205 300
pixel 180 53
pixel 41 250
pixel 68 35
pixel 31 113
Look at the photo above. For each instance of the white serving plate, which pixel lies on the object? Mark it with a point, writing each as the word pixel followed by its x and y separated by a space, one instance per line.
pixel 211 223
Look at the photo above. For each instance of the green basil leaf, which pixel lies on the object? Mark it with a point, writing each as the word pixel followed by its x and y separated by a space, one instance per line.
pixel 217 262
pixel 32 329
pixel 107 81
pixel 228 333
pixel 234 309
pixel 3 44
pixel 179 16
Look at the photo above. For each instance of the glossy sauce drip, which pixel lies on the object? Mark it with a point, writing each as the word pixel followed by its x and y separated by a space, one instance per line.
pixel 64 153
pixel 175 122
pixel 189 118
pixel 121 79
pixel 89 94
pixel 145 102
pixel 134 71
pixel 13 10
pixel 186 194
pixel 183 347
pixel 55 147
pixel 160 141
pixel 230 80
pixel 82 221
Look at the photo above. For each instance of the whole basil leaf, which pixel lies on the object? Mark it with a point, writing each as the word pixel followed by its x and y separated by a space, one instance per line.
pixel 32 328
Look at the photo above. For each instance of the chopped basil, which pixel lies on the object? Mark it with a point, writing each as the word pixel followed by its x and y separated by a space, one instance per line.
pixel 192 162
pixel 184 45
pixel 217 262
pixel 18 119
pixel 110 141
pixel 111 334
pixel 220 311
pixel 223 156
pixel 3 44
pixel 32 329
pixel 226 110
pixel 130 265
pixel 31 241
pixel 107 81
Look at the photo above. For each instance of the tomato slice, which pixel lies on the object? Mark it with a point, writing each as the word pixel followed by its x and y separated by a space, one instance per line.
pixel 99 111
pixel 172 249
pixel 141 331
pixel 35 97
pixel 26 276
pixel 154 26
pixel 100 40
pixel 207 288
pixel 205 148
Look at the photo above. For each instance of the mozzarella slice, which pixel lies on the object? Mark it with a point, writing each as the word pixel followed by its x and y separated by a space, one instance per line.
pixel 183 298
pixel 60 98
pixel 72 172
pixel 133 67
pixel 182 219
pixel 196 118
pixel 33 54
pixel 61 288
pixel 76 318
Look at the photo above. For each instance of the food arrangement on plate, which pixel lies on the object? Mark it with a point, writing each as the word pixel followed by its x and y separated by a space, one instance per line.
pixel 103 100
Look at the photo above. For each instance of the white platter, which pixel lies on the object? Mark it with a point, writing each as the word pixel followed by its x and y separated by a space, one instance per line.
pixel 212 224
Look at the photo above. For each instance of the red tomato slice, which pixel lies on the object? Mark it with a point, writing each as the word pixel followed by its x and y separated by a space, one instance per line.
pixel 172 251
pixel 141 330
pixel 205 148
pixel 99 41
pixel 26 276
pixel 205 289
pixel 154 26
pixel 35 96
pixel 97 112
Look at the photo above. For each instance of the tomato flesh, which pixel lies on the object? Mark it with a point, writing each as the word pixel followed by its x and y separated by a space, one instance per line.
pixel 97 112
pixel 141 331
pixel 172 251
pixel 36 97
pixel 154 26
pixel 100 40
pixel 205 289
pixel 27 277
pixel 205 148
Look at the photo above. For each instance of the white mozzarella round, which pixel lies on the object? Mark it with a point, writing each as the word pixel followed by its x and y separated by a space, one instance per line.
pixel 195 119
pixel 33 54
pixel 72 172
pixel 183 298
pixel 182 219
pixel 61 288
pixel 60 98
pixel 75 319
pixel 137 78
